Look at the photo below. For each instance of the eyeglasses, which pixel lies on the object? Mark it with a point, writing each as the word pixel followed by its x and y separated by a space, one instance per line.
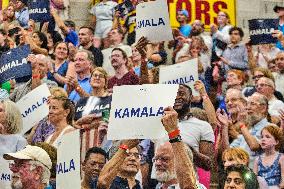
pixel 98 76
pixel 263 85
pixel 162 159
pixel 281 58
pixel 257 76
pixel 232 100
pixel 235 33
pixel 135 155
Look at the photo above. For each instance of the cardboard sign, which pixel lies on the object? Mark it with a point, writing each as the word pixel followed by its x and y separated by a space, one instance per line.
pixel 182 73
pixel 33 107
pixel 139 115
pixel 39 10
pixel 68 161
pixel 260 31
pixel 5 174
pixel 152 21
pixel 91 105
pixel 13 64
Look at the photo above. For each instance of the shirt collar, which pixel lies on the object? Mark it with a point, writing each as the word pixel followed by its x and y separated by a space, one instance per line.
pixel 260 123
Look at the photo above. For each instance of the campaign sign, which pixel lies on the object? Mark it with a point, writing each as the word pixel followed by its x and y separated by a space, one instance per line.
pixel 33 107
pixel 181 73
pixel 91 105
pixel 152 21
pixel 68 161
pixel 139 115
pixel 5 174
pixel 260 31
pixel 13 64
pixel 39 10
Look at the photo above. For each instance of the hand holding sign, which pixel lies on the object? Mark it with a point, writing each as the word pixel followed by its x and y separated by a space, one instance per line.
pixel 170 119
pixel 141 46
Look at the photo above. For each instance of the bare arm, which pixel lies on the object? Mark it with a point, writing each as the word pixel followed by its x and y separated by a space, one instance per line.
pixel 59 22
pixel 255 169
pixel 251 140
pixel 112 168
pixel 203 158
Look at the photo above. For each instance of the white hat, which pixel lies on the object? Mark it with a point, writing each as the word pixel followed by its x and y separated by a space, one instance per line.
pixel 31 153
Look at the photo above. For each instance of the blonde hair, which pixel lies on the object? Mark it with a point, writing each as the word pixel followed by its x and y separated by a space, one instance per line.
pixel 236 154
pixel 14 122
pixel 59 90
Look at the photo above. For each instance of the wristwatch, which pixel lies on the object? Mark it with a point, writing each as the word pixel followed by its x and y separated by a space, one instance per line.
pixel 177 139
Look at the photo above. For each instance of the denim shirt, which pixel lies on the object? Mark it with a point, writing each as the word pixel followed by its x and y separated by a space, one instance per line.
pixel 23 17
pixel 254 131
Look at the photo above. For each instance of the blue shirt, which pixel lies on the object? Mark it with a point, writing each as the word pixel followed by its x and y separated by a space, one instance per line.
pixel 72 37
pixel 62 70
pixel 242 143
pixel 84 84
pixel 185 30
pixel 278 44
pixel 23 17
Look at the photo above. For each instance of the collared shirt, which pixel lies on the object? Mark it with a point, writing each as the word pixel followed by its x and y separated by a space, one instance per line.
pixel 25 88
pixel 121 183
pixel 84 84
pixel 237 57
pixel 176 186
pixel 242 143
pixel 23 17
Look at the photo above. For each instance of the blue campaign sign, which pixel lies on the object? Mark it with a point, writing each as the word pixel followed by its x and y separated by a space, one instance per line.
pixel 260 31
pixel 13 64
pixel 39 10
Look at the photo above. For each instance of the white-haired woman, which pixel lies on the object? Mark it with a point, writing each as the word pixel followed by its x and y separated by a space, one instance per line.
pixel 10 125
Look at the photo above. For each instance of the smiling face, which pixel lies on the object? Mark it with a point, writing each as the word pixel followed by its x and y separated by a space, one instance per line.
pixel 234 101
pixel 56 111
pixel 61 51
pixel 182 100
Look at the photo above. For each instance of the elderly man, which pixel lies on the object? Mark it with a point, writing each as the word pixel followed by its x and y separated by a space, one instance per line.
pixel 86 36
pixel 39 65
pixel 174 168
pixel 279 77
pixel 250 121
pixel 95 160
pixel 31 168
pixel 122 74
pixel 266 87
pixel 78 85
pixel 121 170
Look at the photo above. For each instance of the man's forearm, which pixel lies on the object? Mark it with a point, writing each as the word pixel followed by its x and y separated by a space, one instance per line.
pixel 184 166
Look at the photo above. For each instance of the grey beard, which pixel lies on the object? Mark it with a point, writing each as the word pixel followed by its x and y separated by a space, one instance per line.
pixel 253 119
pixel 17 185
pixel 165 176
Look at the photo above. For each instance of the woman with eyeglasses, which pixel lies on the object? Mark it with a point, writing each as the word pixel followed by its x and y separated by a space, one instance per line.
pixel 258 73
pixel 240 177
pixel 61 113
pixel 92 110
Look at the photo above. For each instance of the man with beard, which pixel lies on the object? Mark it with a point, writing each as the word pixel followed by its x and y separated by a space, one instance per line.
pixel 122 75
pixel 194 132
pixel 31 168
pixel 251 121
pixel 94 161
pixel 198 30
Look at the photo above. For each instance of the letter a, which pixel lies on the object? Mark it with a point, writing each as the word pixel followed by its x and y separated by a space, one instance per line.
pixel 72 165
pixel 161 22
pixel 160 111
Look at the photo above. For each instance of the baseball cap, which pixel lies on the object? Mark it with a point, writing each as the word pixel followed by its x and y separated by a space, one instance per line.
pixel 184 12
pixel 31 153
pixel 276 8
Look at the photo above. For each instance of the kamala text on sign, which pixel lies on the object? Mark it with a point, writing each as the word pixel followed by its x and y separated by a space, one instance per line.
pixel 204 10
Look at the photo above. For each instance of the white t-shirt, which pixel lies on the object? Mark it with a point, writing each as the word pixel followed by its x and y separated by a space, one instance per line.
pixel 274 105
pixel 193 131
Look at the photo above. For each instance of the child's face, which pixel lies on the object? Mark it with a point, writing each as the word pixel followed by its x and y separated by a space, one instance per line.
pixel 267 140
pixel 232 161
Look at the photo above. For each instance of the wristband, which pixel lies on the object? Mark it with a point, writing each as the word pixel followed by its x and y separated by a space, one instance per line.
pixel 53 73
pixel 35 76
pixel 243 126
pixel 124 147
pixel 177 139
pixel 174 134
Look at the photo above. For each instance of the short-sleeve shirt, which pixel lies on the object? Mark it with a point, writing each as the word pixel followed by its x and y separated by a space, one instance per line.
pixel 241 142
pixel 193 131
pixel 129 78
pixel 85 85
pixel 72 37
pixel 121 183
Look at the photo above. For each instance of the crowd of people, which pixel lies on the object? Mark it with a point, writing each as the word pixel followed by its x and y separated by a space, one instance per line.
pixel 228 136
